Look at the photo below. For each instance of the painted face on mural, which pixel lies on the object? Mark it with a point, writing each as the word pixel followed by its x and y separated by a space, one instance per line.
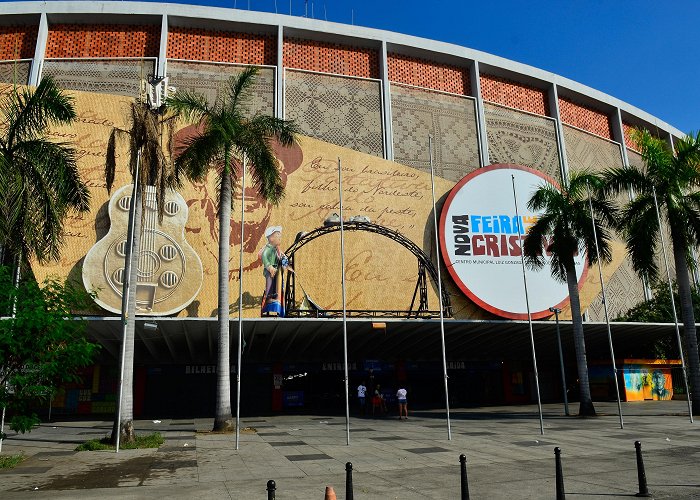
pixel 257 211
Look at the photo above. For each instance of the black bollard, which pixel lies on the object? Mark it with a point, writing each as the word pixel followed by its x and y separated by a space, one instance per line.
pixel 348 482
pixel 271 487
pixel 561 495
pixel 641 474
pixel 464 481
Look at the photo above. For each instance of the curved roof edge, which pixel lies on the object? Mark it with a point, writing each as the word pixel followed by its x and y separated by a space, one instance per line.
pixel 333 28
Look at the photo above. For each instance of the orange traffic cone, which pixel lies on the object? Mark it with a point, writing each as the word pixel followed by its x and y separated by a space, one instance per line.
pixel 330 493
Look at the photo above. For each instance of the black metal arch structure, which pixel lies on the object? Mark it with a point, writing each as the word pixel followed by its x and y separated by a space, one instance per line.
pixel 419 304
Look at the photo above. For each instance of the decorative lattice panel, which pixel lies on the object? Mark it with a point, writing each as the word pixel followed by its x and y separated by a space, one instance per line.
pixel 522 138
pixel 627 130
pixel 17 42
pixel 15 72
pixel 514 94
pixel 328 57
pixel 107 76
pixel 428 74
pixel 451 120
pixel 339 110
pixel 102 40
pixel 221 46
pixel 587 152
pixel 635 159
pixel 212 79
pixel 585 117
pixel 623 290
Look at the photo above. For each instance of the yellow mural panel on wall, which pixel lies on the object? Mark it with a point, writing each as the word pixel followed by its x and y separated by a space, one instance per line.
pixel 381 274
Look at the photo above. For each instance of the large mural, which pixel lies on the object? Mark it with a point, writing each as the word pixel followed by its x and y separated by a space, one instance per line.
pixel 647 379
pixel 380 274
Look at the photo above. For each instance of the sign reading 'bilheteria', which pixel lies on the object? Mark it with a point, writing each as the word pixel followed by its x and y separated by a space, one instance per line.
pixel 481 243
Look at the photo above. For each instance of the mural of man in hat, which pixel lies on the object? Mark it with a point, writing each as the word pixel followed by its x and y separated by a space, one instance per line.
pixel 258 213
pixel 274 264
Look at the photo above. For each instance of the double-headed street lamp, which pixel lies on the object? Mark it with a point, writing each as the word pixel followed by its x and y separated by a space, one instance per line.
pixel 561 359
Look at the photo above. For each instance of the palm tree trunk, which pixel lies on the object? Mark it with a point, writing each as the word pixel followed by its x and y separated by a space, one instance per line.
pixel 223 420
pixel 686 304
pixel 586 408
pixel 126 422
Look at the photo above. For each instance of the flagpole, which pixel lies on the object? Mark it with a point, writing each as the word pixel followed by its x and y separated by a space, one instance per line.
pixel 439 284
pixel 125 292
pixel 240 310
pixel 605 307
pixel 527 303
pixel 673 306
pixel 345 319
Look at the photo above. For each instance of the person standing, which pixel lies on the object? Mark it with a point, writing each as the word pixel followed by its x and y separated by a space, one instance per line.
pixel 361 394
pixel 403 404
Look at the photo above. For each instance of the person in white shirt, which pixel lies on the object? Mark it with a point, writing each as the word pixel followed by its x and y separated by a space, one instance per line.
pixel 403 405
pixel 361 393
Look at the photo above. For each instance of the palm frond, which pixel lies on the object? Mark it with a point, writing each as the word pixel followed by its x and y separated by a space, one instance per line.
pixel 641 233
pixel 240 88
pixel 190 105
pixel 33 110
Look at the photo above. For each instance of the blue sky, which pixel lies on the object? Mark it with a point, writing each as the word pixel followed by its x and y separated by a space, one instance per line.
pixel 643 52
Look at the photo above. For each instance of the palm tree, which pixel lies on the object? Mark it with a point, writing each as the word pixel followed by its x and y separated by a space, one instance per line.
pixel 39 180
pixel 149 136
pixel 225 134
pixel 564 230
pixel 674 177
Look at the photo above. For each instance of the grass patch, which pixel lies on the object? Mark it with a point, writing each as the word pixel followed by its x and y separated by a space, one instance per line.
pixel 10 461
pixel 149 441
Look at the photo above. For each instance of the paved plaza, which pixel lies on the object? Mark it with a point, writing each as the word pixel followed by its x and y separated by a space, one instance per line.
pixel 413 459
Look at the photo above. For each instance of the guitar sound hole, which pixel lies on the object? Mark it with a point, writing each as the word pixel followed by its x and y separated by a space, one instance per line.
pixel 125 203
pixel 168 252
pixel 168 279
pixel 121 248
pixel 118 276
pixel 172 208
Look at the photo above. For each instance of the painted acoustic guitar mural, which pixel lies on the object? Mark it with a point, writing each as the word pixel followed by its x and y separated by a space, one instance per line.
pixel 169 270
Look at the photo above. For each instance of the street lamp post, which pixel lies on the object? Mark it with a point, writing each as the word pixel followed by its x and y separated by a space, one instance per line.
pixel 561 359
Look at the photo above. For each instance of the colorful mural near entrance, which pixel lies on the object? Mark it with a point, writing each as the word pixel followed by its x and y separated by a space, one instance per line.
pixel 647 379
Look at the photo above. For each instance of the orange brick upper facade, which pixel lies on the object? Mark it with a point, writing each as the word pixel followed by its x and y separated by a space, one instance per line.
pixel 515 95
pixel 331 58
pixel 102 40
pixel 17 42
pixel 427 74
pixel 222 46
pixel 136 41
pixel 584 117
pixel 627 130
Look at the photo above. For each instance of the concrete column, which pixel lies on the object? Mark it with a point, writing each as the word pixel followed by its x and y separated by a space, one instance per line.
pixel 619 134
pixel 279 74
pixel 553 96
pixel 163 52
pixel 386 101
pixel 40 49
pixel 480 120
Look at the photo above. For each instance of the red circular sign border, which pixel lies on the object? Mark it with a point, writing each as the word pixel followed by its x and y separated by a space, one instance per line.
pixel 446 258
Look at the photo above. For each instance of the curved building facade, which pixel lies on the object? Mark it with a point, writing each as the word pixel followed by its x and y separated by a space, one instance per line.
pixel 373 97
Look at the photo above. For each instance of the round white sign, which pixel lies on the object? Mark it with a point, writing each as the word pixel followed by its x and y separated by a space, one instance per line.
pixel 481 246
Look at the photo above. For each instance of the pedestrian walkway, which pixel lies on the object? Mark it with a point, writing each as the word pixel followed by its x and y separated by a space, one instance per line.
pixel 392 459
